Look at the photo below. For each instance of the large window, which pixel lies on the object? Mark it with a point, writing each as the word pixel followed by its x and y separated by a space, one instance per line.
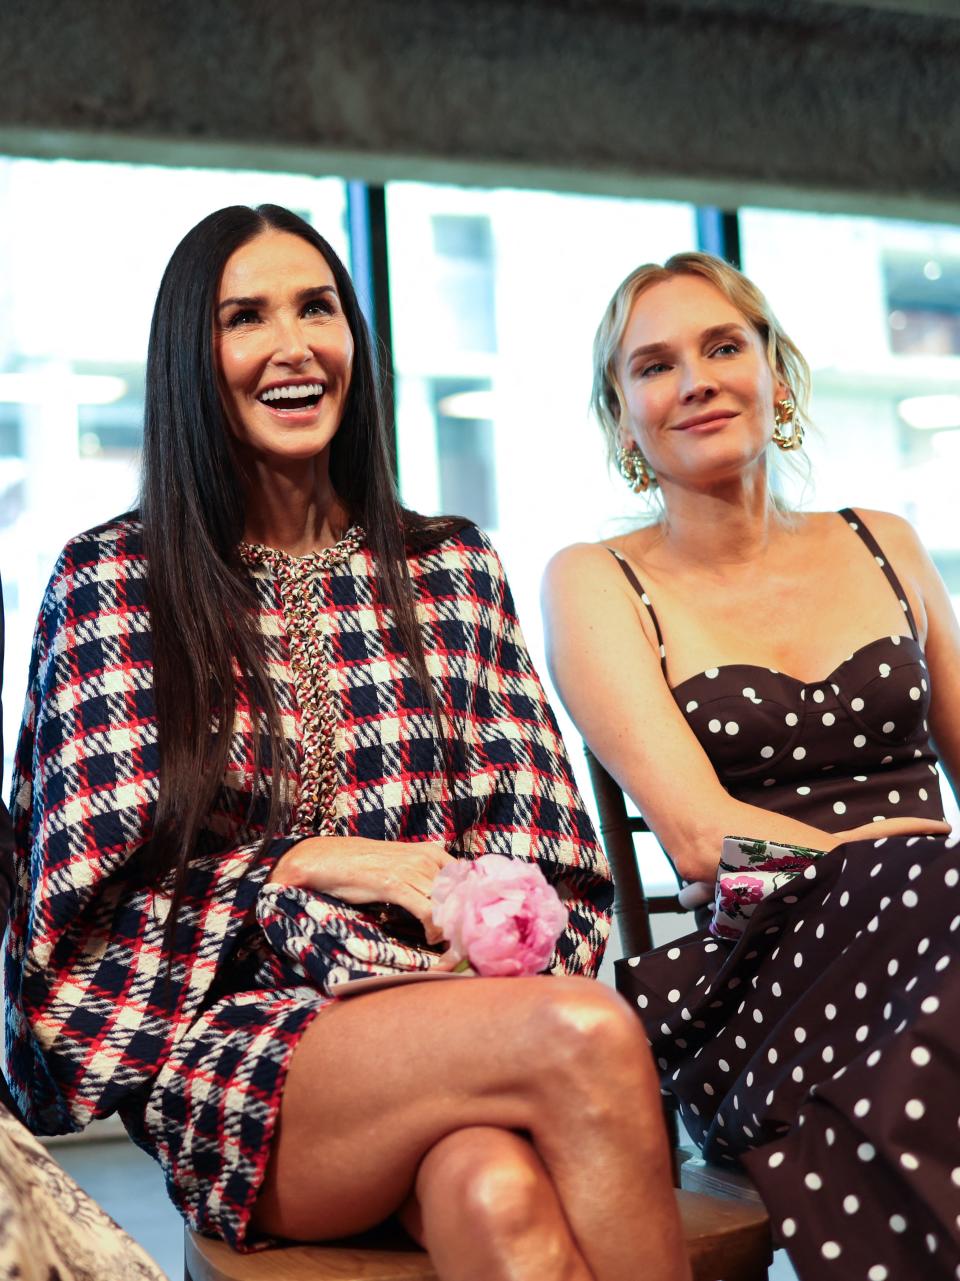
pixel 496 298
pixel 83 250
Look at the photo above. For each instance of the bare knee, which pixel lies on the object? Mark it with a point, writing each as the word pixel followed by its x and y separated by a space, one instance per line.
pixel 592 1049
pixel 492 1178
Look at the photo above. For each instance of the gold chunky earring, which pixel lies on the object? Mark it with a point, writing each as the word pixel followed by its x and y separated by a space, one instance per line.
pixel 635 470
pixel 785 414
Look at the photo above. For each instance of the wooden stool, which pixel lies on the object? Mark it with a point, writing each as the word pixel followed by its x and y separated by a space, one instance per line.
pixel 726 1241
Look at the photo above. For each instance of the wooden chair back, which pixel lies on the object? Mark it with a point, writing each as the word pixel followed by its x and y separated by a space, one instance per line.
pixel 632 906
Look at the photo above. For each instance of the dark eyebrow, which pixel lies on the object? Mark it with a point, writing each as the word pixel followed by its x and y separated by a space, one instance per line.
pixel 302 295
pixel 708 335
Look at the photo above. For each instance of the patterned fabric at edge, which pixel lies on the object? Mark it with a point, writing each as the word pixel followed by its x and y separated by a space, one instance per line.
pixel 195 1061
pixel 822 1049
pixel 50 1230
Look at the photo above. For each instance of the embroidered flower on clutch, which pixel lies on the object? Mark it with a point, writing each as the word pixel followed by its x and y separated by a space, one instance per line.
pixel 500 916
pixel 749 872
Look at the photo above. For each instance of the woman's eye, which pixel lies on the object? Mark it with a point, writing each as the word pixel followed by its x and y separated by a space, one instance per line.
pixel 319 307
pixel 729 348
pixel 245 317
pixel 654 368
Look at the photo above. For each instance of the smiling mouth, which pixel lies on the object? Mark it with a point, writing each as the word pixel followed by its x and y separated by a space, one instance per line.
pixel 293 398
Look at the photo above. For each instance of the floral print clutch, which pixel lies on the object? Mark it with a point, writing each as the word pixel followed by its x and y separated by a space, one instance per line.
pixel 751 870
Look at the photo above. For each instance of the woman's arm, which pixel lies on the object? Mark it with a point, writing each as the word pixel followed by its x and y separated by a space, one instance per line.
pixel 607 671
pixel 91 1008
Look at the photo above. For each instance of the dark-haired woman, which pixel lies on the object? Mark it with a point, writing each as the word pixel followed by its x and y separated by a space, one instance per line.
pixel 748 671
pixel 273 694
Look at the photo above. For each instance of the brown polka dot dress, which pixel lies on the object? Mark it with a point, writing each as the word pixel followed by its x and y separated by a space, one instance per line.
pixel 822 1049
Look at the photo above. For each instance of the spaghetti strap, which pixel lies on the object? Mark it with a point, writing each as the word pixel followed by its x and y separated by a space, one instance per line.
pixel 638 588
pixel 859 528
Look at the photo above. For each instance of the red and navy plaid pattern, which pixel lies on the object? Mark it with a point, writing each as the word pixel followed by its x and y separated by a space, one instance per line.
pixel 94 1023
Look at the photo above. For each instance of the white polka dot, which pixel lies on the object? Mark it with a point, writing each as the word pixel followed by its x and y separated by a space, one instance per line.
pixel 909 1161
pixel 797 1074
pixel 732 727
pixel 860 991
pixel 772 1054
pixel 861 1107
pixel 740 1042
pixel 813 1181
pixel 839 807
pixel 799 753
pixel 955 1176
pixel 893 797
pixel 775 1160
pixel 798 960
pixel 909 898
pixel 878 1273
pixel 766 752
pixel 859 778
pixel 714 726
pixel 830 1010
pixel 898 1223
pixel 931 1241
pixel 884 669
pixel 830 1250
pixel 791 718
pixel 914 693
pixel 712 673
pixel 952 877
pixel 859 740
pixel 749 692
pixel 673 994
pixel 857 704
pixel 920 1056
pixel 851 1204
pixel 866 1151
pixel 828 718
pixel 879 560
pixel 888 727
pixel 788 1227
pixel 803 791
pixel 818 696
pixel 692 705
pixel 873 1058
pixel 769 782
pixel 673 954
pixel 800 1033
pixel 886 760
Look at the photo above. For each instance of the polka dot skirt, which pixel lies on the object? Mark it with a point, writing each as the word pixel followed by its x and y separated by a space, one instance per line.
pixel 822 1052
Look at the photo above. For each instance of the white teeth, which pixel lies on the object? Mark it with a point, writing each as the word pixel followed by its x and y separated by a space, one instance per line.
pixel 300 392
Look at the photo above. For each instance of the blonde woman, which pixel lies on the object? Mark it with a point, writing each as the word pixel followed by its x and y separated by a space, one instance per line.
pixel 746 670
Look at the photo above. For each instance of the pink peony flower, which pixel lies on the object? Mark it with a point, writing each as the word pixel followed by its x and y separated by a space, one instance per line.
pixel 499 914
pixel 740 889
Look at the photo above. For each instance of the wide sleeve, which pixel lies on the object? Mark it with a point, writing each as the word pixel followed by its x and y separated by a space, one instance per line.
pixel 92 1007
pixel 529 804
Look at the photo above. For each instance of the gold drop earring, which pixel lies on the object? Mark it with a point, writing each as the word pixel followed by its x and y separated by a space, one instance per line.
pixel 635 470
pixel 784 415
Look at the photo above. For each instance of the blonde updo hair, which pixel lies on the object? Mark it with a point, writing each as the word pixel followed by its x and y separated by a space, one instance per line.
pixel 785 359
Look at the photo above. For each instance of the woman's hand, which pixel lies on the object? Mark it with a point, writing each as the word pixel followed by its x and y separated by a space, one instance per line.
pixel 359 871
pixel 893 827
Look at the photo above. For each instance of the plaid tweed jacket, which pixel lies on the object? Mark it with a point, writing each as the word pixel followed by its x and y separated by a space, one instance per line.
pixel 91 1012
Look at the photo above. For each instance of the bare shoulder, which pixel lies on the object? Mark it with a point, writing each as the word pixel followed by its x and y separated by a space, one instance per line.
pixel 895 533
pixel 578 565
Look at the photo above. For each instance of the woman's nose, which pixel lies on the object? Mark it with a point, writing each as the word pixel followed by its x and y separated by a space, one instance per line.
pixel 698 384
pixel 292 347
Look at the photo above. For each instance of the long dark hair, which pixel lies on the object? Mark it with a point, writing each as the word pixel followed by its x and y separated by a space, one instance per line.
pixel 202 603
